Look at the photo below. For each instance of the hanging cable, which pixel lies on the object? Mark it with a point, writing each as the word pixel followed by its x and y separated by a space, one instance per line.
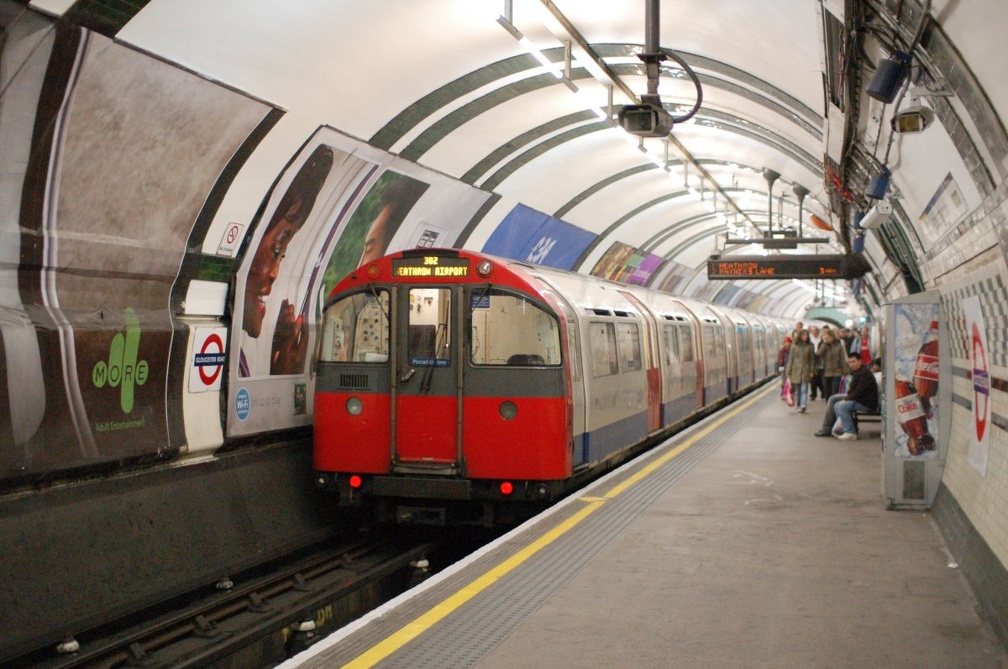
pixel 696 82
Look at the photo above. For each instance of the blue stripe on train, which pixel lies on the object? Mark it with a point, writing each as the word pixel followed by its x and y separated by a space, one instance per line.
pixel 614 437
pixel 608 439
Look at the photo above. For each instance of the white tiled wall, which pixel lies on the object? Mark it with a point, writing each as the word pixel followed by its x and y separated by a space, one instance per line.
pixel 973 263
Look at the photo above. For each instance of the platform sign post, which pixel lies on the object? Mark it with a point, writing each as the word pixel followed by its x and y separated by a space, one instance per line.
pixel 916 401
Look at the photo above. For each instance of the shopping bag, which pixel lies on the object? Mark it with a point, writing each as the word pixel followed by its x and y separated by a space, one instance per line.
pixel 788 393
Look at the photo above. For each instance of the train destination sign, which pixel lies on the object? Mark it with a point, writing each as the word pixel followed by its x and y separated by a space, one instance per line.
pixel 832 266
pixel 428 267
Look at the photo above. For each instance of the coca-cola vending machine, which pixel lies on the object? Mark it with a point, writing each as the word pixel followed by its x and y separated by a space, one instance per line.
pixel 915 400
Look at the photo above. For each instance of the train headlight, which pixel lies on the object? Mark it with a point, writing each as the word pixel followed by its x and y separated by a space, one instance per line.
pixel 354 406
pixel 508 410
pixel 484 269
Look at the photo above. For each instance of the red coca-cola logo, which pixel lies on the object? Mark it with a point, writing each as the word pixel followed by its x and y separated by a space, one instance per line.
pixel 926 368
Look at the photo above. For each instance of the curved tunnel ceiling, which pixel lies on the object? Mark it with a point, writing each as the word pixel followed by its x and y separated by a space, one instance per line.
pixel 447 84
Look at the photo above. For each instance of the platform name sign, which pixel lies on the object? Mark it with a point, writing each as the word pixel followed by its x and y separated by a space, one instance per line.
pixel 976 328
pixel 430 267
pixel 209 356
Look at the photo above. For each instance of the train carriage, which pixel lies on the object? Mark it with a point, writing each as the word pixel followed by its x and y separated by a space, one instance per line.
pixel 453 387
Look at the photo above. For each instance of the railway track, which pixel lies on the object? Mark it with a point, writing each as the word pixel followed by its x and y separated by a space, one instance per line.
pixel 256 619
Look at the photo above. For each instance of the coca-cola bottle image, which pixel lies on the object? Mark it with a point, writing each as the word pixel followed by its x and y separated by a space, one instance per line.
pixel 911 417
pixel 925 376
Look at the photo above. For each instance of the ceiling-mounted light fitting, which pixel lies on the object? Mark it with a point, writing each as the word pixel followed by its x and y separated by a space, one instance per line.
pixel 770 176
pixel 889 77
pixel 914 118
pixel 800 193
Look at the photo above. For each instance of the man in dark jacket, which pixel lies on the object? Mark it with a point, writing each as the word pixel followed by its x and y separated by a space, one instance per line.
pixel 861 395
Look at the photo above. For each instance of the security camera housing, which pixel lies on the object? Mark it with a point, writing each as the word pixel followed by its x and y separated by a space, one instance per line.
pixel 646 120
pixel 876 215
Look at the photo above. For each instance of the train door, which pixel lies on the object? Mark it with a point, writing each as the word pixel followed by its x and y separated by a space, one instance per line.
pixel 730 338
pixel 580 429
pixel 654 391
pixel 427 386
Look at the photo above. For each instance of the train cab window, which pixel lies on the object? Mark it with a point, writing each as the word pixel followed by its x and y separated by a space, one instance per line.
pixel 602 338
pixel 429 342
pixel 356 328
pixel 628 345
pixel 512 330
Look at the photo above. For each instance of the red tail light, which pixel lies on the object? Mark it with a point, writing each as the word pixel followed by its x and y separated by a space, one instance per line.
pixel 506 488
pixel 355 481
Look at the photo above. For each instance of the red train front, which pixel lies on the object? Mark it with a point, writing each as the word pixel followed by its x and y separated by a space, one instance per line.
pixel 441 390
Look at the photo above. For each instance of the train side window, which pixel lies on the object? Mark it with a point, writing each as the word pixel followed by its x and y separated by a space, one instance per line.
pixel 602 338
pixel 671 345
pixel 685 344
pixel 628 345
pixel 512 330
pixel 356 328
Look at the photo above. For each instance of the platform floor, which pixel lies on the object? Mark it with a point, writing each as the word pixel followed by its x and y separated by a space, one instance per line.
pixel 743 542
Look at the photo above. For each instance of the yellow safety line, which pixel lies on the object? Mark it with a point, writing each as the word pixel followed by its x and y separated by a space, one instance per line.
pixel 421 624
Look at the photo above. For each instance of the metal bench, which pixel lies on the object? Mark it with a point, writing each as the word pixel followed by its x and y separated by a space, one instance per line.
pixel 866 417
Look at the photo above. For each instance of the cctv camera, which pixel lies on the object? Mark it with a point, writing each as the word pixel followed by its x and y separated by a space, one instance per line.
pixel 876 215
pixel 912 119
pixel 646 120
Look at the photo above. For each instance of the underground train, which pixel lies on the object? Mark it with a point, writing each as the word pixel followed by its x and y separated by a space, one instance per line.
pixel 454 387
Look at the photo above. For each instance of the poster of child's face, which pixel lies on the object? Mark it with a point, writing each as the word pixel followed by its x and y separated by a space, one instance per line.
pixel 290 335
pixel 372 226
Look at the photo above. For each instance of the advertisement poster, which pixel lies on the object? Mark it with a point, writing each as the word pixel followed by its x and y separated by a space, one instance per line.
pixel 916 378
pixel 338 205
pixel 274 304
pixel 979 444
pixel 532 236
pixel 649 263
pixel 616 263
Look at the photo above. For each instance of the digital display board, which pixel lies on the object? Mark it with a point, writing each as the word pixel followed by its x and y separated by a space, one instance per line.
pixel 430 267
pixel 833 266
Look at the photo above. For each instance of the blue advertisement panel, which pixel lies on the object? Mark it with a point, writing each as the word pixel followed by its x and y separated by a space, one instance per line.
pixel 532 236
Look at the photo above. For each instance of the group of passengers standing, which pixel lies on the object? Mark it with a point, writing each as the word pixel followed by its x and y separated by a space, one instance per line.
pixel 836 364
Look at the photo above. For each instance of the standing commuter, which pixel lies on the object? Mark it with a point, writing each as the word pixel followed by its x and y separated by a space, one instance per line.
pixel 834 363
pixel 815 387
pixel 846 338
pixel 861 346
pixel 782 358
pixel 800 368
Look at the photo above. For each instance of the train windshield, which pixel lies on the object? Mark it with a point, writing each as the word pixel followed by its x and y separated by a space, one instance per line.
pixel 355 328
pixel 430 341
pixel 509 329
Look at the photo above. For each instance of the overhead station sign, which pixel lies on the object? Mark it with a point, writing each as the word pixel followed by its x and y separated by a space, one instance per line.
pixel 833 266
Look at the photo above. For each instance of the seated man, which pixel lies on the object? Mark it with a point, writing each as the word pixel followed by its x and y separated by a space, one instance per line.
pixel 861 395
